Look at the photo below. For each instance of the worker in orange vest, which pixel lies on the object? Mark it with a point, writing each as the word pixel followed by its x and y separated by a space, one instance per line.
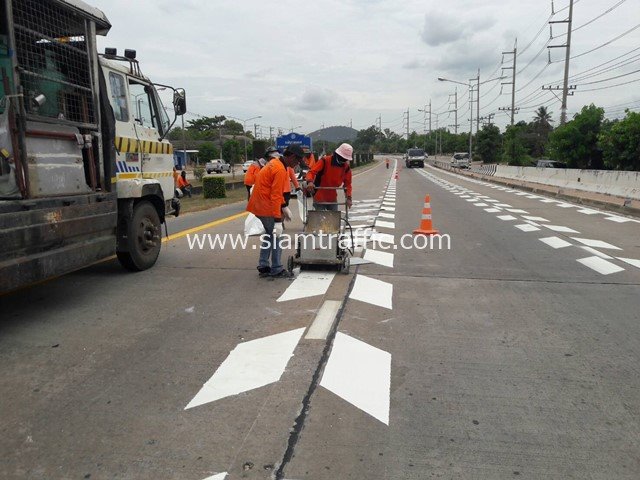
pixel 267 203
pixel 387 161
pixel 332 170
pixel 250 175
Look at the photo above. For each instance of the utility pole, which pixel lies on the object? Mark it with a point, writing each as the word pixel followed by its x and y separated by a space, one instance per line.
pixel 565 87
pixel 379 122
pixel 403 114
pixel 270 134
pixel 478 104
pixel 455 110
pixel 512 82
pixel 488 119
pixel 255 131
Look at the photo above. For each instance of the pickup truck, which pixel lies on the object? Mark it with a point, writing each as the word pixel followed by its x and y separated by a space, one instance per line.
pixel 217 166
pixel 460 160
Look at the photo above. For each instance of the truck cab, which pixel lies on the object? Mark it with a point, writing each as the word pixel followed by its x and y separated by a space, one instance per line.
pixel 415 157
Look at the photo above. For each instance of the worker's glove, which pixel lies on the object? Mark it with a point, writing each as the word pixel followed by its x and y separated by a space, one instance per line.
pixel 286 214
pixel 349 202
pixel 311 188
pixel 298 189
pixel 278 229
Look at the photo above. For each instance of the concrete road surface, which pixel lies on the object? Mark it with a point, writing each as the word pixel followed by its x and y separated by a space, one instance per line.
pixel 512 354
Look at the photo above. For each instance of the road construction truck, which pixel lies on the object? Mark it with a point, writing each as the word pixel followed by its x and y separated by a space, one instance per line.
pixel 86 171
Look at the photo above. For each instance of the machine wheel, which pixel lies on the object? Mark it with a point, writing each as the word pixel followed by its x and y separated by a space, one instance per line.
pixel 290 263
pixel 144 237
pixel 346 263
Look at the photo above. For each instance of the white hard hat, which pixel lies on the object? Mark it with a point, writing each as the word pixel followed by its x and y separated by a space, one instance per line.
pixel 345 151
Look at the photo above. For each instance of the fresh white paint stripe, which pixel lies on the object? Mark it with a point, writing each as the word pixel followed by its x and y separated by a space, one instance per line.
pixel 386 215
pixel 520 194
pixel 547 200
pixel 516 210
pixel 358 261
pixel 600 265
pixel 389 204
pixel 472 200
pixel 250 365
pixel 361 218
pixel 597 253
pixel 503 205
pixel 323 322
pixel 382 238
pixel 535 219
pixel 588 211
pixel 596 243
pixel 217 476
pixel 631 261
pixel 308 284
pixel 360 374
pixel 375 292
pixel 381 223
pixel 464 196
pixel 481 204
pixel 507 218
pixel 525 227
pixel 561 229
pixel 556 242
pixel 379 257
pixel 565 205
pixel 492 200
pixel 618 219
pixel 492 210
pixel 388 209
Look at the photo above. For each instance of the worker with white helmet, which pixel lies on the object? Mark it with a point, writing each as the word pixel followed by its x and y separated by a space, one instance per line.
pixel 332 170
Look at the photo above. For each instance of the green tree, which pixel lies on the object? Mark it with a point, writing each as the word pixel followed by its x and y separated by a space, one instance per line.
pixel 232 151
pixel 489 144
pixel 576 142
pixel 367 139
pixel 515 152
pixel 205 124
pixel 538 132
pixel 620 143
pixel 231 127
pixel 208 151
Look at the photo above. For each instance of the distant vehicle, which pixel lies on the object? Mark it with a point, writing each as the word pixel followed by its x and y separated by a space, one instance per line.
pixel 460 160
pixel 415 158
pixel 246 165
pixel 546 163
pixel 217 166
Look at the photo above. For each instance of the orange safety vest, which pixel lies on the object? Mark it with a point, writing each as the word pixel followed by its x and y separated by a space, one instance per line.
pixel 267 195
pixel 250 176
pixel 330 176
pixel 292 178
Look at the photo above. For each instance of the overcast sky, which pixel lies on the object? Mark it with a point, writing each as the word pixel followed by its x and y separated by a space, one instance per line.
pixel 303 64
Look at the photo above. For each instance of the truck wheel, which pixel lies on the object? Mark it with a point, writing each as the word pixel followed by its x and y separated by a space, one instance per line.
pixel 144 238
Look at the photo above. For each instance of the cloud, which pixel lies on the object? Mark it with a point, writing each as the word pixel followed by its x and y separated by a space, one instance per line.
pixel 315 99
pixel 414 64
pixel 442 28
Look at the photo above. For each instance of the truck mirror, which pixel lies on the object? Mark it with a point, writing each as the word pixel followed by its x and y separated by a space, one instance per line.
pixel 180 101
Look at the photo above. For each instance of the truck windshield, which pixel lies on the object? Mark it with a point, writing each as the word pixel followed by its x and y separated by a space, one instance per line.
pixel 416 152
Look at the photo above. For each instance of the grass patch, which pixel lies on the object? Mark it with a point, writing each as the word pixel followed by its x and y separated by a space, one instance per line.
pixel 198 203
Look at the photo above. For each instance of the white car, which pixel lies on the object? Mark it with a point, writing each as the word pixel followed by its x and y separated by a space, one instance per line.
pixel 246 165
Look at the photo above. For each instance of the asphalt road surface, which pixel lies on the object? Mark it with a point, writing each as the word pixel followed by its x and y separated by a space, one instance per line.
pixel 514 353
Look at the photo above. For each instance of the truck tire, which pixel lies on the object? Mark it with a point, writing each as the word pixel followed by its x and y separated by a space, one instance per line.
pixel 144 236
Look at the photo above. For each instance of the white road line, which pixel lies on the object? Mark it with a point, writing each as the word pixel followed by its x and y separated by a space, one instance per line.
pixel 481 204
pixel 375 292
pixel 561 229
pixel 308 284
pixel 503 205
pixel 535 219
pixel 506 218
pixel 388 209
pixel 492 210
pixel 386 215
pixel 596 243
pixel 547 200
pixel 360 374
pixel 382 238
pixel 323 322
pixel 383 224
pixel 381 258
pixel 600 265
pixel 525 227
pixel 217 476
pixel 516 210
pixel 631 261
pixel 588 211
pixel 565 205
pixel 556 242
pixel 249 366
pixel 597 253
pixel 618 219
pixel 358 261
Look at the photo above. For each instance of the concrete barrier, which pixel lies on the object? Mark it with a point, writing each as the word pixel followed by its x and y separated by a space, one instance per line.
pixel 615 183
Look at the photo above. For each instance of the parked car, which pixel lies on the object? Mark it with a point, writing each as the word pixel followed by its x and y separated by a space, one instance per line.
pixel 246 165
pixel 546 163
pixel 217 166
pixel 460 160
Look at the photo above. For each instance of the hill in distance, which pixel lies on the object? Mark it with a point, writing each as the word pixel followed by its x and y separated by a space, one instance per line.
pixel 334 134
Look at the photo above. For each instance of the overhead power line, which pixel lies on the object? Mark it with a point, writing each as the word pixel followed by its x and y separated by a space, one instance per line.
pixel 611 86
pixel 610 78
pixel 607 43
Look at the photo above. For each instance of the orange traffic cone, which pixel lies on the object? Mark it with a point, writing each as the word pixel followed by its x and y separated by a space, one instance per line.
pixel 396 174
pixel 426 225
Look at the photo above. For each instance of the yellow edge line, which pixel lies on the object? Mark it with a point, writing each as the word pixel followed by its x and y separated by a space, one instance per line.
pixel 184 233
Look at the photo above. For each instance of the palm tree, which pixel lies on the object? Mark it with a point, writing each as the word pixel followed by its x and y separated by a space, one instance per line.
pixel 542 118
